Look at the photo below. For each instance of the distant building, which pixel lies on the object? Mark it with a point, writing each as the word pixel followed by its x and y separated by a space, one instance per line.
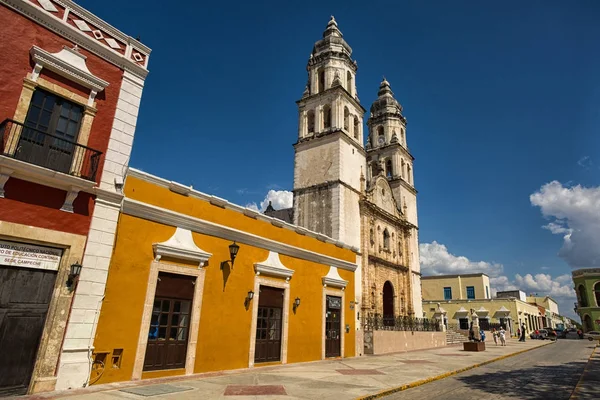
pixel 587 287
pixel 284 214
pixel 458 295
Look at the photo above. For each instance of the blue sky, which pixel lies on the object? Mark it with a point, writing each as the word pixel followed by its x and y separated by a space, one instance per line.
pixel 501 98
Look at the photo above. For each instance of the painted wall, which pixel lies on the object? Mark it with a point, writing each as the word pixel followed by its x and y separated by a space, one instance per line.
pixel 225 323
pixel 433 287
pixel 385 342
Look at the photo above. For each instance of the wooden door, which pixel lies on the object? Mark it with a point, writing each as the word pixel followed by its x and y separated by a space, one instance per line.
pixel 333 322
pixel 170 323
pixel 24 298
pixel 268 325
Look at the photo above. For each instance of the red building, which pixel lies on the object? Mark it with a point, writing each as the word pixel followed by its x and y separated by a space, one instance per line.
pixel 70 90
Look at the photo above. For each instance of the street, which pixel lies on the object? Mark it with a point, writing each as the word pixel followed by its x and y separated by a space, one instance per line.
pixel 550 372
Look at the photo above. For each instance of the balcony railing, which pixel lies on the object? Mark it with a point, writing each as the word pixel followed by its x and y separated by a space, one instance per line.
pixel 37 147
pixel 378 322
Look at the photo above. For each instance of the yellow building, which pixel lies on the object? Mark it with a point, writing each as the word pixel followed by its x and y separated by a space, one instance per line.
pixel 456 287
pixel 179 301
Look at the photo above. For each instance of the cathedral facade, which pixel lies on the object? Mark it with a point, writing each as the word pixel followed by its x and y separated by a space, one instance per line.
pixel 356 189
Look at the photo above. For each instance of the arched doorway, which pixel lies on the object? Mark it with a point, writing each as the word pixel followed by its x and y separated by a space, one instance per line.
pixel 388 304
pixel 587 324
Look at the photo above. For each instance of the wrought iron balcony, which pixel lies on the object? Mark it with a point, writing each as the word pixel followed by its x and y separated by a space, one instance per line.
pixel 37 147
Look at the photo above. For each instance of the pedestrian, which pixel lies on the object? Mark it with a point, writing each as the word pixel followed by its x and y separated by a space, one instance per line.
pixel 495 336
pixel 482 335
pixel 519 333
pixel 522 339
pixel 502 334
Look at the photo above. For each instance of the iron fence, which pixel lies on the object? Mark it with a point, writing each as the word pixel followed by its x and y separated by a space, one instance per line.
pixel 378 322
pixel 37 147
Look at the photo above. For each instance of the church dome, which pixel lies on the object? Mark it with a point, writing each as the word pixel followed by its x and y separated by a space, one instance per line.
pixel 385 103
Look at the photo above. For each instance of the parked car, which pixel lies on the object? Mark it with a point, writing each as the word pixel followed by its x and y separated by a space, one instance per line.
pixel 571 333
pixel 592 335
pixel 552 334
pixel 539 334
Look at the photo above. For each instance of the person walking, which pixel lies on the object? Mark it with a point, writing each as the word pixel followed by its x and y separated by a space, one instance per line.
pixel 502 334
pixel 522 339
pixel 495 336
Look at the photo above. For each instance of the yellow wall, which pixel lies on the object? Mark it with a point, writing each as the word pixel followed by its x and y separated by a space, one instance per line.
pixel 225 323
pixel 433 287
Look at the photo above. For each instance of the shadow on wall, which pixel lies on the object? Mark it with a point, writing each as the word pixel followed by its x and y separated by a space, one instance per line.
pixel 226 270
pixel 538 382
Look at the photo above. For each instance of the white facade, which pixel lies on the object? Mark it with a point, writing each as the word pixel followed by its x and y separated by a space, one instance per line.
pixel 335 175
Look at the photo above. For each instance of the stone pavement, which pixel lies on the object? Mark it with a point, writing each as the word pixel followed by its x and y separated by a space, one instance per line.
pixel 348 378
pixel 589 384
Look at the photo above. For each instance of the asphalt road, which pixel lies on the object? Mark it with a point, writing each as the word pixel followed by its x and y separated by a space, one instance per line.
pixel 550 372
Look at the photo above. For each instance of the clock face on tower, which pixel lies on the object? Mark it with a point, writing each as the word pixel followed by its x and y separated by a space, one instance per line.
pixel 381 141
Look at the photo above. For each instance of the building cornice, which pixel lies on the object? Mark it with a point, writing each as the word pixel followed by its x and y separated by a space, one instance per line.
pixel 390 264
pixel 331 90
pixel 390 148
pixel 57 25
pixel 586 272
pixel 161 215
pixel 403 183
pixel 326 184
pixel 330 135
pixel 373 209
pixel 191 192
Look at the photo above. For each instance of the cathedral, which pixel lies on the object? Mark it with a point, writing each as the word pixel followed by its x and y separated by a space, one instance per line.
pixel 360 192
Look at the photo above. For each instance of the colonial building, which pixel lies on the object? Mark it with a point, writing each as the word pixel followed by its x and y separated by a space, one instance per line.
pixel 587 287
pixel 69 96
pixel 363 196
pixel 198 284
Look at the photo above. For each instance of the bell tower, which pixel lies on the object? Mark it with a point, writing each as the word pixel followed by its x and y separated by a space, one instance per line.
pixel 329 155
pixel 388 154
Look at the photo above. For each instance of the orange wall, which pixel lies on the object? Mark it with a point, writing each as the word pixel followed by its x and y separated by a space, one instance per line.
pixel 225 323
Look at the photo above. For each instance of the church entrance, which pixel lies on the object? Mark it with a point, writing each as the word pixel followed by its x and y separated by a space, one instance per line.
pixel 388 304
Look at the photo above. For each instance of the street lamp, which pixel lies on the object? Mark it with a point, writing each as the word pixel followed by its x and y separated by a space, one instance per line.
pixel 73 274
pixel 233 250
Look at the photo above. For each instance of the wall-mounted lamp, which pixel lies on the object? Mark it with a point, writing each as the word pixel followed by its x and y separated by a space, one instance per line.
pixel 233 250
pixel 73 274
pixel 296 303
pixel 248 299
pixel 250 295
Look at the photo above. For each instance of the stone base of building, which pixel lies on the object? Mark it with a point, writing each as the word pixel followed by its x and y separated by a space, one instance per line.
pixel 74 369
pixel 384 342
pixel 45 384
pixel 474 346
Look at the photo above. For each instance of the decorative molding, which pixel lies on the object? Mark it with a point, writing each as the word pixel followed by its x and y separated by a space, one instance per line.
pixel 168 217
pixel 45 176
pixel 272 266
pixel 179 188
pixel 72 33
pixel 334 279
pixel 5 173
pixel 181 246
pixel 70 64
pixel 69 199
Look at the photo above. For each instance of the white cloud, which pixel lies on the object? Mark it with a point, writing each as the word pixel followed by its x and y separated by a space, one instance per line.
pixel 574 213
pixel 437 260
pixel 585 162
pixel 278 198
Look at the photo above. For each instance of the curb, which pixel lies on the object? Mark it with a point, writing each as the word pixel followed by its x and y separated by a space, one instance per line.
pixel 444 375
pixel 574 395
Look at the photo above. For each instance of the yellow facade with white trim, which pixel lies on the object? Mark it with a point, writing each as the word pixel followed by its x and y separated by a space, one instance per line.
pixel 226 321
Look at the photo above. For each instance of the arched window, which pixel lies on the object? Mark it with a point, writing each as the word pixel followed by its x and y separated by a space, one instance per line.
pixel 311 121
pixel 346 119
pixel 380 135
pixel 408 173
pixel 356 127
pixel 321 77
pixel 402 139
pixel 349 82
pixel 583 301
pixel 402 168
pixel 597 293
pixel 388 304
pixel 388 168
pixel 386 239
pixel 326 116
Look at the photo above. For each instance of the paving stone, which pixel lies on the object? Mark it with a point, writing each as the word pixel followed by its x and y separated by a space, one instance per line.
pixel 155 390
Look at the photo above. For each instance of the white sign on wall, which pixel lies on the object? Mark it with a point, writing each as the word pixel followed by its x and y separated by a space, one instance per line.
pixel 25 255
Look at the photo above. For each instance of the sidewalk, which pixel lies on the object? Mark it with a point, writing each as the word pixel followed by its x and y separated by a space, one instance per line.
pixel 336 379
pixel 589 383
